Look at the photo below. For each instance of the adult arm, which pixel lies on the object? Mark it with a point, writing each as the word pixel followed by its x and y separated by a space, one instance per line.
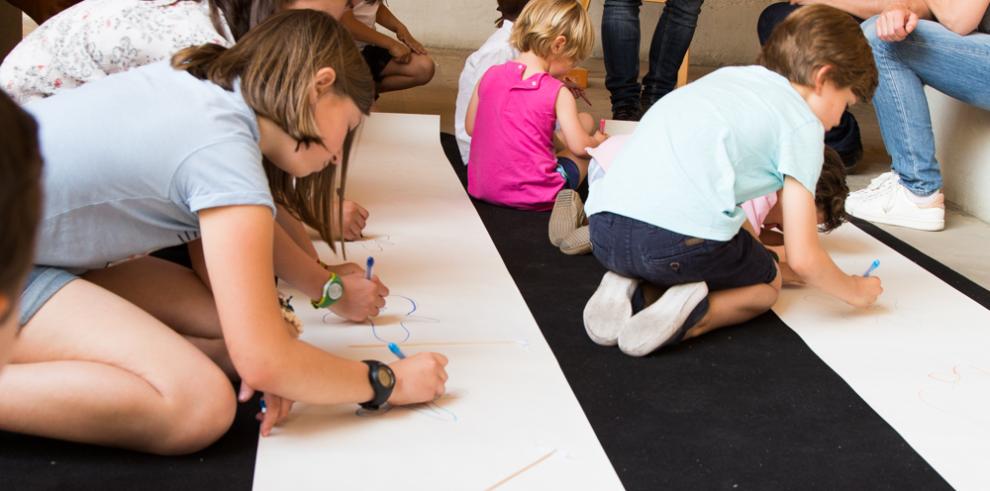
pixel 864 9
pixel 959 16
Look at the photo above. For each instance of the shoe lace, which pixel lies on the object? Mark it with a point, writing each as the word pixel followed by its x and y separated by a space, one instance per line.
pixel 879 185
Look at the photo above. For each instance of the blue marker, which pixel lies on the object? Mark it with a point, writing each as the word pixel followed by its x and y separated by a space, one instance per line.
pixel 873 267
pixel 264 407
pixel 394 348
pixel 367 269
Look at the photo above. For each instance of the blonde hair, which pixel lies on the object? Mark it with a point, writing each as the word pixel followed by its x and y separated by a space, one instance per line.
pixel 276 63
pixel 541 21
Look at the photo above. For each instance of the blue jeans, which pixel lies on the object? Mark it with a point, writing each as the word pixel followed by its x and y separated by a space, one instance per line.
pixel 932 55
pixel 844 138
pixel 620 42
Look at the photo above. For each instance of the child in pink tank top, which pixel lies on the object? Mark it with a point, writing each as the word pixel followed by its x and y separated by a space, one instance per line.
pixel 516 107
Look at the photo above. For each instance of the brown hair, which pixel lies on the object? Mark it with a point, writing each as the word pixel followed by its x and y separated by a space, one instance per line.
pixel 831 191
pixel 242 15
pixel 815 36
pixel 276 63
pixel 541 21
pixel 20 196
pixel 509 10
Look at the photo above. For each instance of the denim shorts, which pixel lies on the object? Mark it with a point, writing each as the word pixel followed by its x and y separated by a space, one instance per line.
pixel 41 285
pixel 639 250
pixel 569 171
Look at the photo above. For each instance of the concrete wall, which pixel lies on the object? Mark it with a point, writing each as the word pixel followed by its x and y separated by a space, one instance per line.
pixel 963 148
pixel 726 32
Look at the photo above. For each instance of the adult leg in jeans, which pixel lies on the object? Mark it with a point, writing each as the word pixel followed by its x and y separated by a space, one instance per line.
pixel 932 55
pixel 671 40
pixel 620 44
pixel 844 138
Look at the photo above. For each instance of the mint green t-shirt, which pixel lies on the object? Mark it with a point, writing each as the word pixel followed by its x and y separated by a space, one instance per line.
pixel 707 147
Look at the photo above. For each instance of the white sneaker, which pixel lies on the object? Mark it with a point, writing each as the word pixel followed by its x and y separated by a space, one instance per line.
pixel 657 324
pixel 886 201
pixel 609 308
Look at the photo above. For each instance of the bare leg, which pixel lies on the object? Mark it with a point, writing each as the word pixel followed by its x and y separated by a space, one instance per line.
pixel 730 307
pixel 173 295
pixel 398 76
pixel 91 367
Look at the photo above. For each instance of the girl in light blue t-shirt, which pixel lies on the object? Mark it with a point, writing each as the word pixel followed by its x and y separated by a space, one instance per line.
pixel 121 349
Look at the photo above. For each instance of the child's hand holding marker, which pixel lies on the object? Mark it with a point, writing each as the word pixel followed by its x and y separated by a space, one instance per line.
pixel 868 287
pixel 364 295
pixel 418 378
pixel 269 418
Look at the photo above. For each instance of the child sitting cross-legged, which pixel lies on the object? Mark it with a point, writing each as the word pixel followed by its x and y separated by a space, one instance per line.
pixel 668 211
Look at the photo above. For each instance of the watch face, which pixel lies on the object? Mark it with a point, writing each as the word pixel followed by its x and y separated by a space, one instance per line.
pixel 385 377
pixel 335 291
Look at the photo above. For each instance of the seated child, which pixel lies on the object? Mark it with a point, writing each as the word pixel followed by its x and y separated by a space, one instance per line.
pixel 495 51
pixel 517 105
pixel 667 213
pixel 20 208
pixel 395 64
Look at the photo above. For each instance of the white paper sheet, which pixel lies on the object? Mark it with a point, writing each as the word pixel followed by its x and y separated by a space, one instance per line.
pixel 920 357
pixel 509 412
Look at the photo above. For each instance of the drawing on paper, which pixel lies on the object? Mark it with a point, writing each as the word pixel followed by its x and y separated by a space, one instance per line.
pixel 961 391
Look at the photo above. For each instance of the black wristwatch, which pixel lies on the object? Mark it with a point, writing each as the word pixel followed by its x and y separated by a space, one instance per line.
pixel 382 381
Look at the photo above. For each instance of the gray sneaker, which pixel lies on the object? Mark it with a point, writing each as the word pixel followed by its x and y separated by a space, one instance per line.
pixel 567 215
pixel 577 242
pixel 663 321
pixel 609 308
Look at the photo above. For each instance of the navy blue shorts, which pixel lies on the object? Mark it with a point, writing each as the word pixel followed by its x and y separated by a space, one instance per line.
pixel 639 250
pixel 569 171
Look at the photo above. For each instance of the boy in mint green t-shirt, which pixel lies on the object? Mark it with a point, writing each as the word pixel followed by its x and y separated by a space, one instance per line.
pixel 667 213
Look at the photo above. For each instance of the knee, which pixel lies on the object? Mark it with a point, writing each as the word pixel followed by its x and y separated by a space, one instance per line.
pixel 869 27
pixel 196 416
pixel 424 69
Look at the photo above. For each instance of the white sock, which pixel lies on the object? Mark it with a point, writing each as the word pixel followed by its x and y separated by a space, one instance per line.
pixel 921 200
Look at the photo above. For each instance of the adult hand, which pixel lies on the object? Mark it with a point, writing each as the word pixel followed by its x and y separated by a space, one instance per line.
pixel 407 38
pixel 865 292
pixel 896 22
pixel 363 298
pixel 418 378
pixel 355 219
pixel 400 53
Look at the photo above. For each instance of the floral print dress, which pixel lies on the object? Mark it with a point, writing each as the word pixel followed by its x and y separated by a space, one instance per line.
pixel 96 38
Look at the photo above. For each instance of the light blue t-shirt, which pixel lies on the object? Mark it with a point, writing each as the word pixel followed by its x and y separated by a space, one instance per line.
pixel 707 147
pixel 130 159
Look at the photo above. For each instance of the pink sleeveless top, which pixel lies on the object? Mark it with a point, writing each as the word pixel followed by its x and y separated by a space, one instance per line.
pixel 512 161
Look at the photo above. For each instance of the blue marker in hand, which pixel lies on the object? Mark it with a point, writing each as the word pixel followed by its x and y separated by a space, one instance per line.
pixel 264 407
pixel 873 267
pixel 394 348
pixel 367 270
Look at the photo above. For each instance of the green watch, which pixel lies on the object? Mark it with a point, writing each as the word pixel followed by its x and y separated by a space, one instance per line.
pixel 333 289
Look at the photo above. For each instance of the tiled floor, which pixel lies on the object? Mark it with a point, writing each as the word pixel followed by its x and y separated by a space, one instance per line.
pixel 961 246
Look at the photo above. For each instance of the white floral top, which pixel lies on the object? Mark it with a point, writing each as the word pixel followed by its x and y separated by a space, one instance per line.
pixel 96 38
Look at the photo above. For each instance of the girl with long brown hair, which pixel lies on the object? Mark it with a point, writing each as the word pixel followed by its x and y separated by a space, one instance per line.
pixel 132 352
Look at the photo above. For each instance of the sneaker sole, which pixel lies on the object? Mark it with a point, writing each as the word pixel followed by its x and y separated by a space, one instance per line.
pixel 567 209
pixel 655 325
pixel 609 309
pixel 578 242
pixel 920 224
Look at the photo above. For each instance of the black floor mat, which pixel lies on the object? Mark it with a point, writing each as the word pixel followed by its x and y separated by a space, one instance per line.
pixel 749 407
